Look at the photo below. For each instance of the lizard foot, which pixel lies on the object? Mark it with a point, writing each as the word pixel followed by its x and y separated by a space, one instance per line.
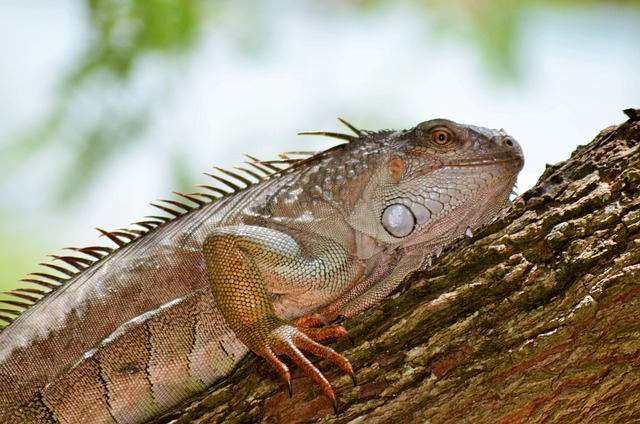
pixel 311 320
pixel 326 332
pixel 289 339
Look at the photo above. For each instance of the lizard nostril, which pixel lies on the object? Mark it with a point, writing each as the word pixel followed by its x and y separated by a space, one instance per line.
pixel 508 142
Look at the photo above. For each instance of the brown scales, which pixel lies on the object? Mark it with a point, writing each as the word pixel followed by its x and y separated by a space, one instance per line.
pixel 22 299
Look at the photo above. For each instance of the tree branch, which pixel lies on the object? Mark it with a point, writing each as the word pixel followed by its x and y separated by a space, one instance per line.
pixel 535 319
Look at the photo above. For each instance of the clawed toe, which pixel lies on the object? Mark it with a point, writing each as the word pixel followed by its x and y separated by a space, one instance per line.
pixel 311 320
pixel 305 338
pixel 329 332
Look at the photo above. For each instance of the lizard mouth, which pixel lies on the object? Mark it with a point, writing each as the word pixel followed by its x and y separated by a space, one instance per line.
pixel 517 163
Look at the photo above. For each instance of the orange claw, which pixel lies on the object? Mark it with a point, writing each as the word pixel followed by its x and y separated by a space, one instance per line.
pixel 311 320
pixel 310 369
pixel 332 331
pixel 325 352
pixel 280 366
pixel 290 339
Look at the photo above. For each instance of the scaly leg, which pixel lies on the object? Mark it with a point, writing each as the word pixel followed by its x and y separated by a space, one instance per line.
pixel 247 263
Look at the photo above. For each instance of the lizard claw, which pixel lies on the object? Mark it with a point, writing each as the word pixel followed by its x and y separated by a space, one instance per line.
pixel 311 320
pixel 331 332
pixel 353 378
pixel 348 336
pixel 328 332
pixel 340 319
pixel 334 402
pixel 279 366
pixel 289 339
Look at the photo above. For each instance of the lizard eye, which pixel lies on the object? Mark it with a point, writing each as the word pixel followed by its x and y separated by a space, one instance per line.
pixel 441 137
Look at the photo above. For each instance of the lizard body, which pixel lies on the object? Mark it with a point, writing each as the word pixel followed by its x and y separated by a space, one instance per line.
pixel 137 330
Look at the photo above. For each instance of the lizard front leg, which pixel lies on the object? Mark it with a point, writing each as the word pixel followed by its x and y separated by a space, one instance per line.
pixel 247 264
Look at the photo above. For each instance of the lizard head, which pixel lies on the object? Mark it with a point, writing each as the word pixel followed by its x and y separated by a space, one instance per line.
pixel 436 181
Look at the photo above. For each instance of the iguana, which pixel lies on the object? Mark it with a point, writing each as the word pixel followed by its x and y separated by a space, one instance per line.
pixel 123 335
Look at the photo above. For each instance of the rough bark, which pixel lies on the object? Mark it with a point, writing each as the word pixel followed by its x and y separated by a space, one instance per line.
pixel 535 319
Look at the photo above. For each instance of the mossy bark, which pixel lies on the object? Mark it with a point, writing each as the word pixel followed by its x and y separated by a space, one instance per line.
pixel 534 319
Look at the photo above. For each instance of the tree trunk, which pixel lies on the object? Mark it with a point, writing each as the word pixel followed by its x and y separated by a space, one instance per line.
pixel 534 319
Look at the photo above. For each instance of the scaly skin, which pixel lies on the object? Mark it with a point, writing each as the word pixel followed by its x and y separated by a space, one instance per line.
pixel 164 316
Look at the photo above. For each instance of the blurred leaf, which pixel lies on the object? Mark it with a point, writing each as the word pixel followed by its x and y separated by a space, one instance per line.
pixel 127 29
pixel 99 114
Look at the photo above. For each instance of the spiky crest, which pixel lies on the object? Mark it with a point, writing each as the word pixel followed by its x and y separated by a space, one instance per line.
pixel 347 137
pixel 84 258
